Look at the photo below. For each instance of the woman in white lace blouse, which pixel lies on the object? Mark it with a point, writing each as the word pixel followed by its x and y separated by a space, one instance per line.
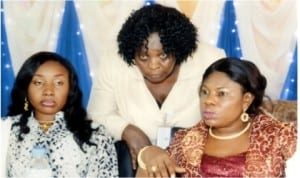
pixel 46 111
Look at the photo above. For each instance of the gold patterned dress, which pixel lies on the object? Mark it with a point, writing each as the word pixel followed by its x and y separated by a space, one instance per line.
pixel 271 143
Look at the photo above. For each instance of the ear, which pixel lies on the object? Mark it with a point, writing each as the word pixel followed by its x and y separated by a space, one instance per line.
pixel 247 100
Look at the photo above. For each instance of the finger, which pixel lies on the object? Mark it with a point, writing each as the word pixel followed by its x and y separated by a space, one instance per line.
pixel 153 170
pixel 134 164
pixel 169 166
pixel 179 169
pixel 150 172
pixel 157 172
pixel 141 173
pixel 173 168
pixel 133 159
pixel 163 170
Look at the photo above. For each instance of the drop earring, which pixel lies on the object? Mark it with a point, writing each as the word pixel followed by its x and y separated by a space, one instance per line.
pixel 26 104
pixel 244 117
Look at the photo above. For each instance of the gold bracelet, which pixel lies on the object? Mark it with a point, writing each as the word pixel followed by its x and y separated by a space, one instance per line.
pixel 139 159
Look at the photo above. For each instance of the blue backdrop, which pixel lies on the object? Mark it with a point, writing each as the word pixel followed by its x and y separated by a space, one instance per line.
pixel 229 36
pixel 7 73
pixel 71 45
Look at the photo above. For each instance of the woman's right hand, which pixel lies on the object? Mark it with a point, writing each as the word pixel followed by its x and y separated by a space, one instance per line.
pixel 157 163
pixel 135 139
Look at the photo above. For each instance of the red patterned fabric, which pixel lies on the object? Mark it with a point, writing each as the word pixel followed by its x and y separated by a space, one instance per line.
pixel 231 166
pixel 271 143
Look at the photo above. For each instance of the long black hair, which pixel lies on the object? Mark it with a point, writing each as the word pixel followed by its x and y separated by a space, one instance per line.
pixel 74 113
pixel 246 74
pixel 177 34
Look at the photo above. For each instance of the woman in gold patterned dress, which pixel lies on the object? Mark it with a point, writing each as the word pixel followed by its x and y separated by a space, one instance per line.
pixel 235 138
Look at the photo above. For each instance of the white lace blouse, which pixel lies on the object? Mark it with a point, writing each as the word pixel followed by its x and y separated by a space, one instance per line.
pixel 65 156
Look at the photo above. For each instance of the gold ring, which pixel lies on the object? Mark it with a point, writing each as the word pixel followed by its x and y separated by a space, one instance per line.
pixel 153 168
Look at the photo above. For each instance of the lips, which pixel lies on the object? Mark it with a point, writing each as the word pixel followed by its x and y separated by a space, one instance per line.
pixel 208 115
pixel 155 76
pixel 48 103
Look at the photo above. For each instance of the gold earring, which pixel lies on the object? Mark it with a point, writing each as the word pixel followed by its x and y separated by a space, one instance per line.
pixel 244 117
pixel 26 104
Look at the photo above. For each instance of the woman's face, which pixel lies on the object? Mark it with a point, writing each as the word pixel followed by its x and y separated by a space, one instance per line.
pixel 48 89
pixel 153 62
pixel 222 101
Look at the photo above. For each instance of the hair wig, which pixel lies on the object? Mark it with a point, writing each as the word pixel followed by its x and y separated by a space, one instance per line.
pixel 244 73
pixel 177 34
pixel 74 113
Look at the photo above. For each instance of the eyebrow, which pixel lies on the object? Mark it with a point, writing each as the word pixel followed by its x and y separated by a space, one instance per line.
pixel 57 75
pixel 219 88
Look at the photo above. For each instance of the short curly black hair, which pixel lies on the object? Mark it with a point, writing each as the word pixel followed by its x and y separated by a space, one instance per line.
pixel 177 34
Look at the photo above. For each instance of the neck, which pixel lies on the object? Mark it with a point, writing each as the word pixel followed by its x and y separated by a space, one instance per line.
pixel 227 137
pixel 41 117
pixel 171 78
pixel 45 125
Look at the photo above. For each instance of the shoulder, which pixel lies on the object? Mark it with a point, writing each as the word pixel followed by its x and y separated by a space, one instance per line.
pixel 207 49
pixel 101 136
pixel 205 55
pixel 188 145
pixel 111 67
pixel 5 127
pixel 196 133
pixel 10 119
pixel 265 122
pixel 279 138
pixel 112 60
pixel 270 130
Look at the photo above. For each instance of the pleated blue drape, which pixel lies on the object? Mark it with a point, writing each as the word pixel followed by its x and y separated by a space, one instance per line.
pixel 71 45
pixel 228 36
pixel 229 41
pixel 289 90
pixel 7 73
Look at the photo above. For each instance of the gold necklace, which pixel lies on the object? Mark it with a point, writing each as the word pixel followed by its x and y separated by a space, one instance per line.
pixel 45 125
pixel 229 136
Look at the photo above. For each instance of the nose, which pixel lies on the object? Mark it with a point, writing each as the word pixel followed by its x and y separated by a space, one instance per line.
pixel 153 63
pixel 209 99
pixel 48 90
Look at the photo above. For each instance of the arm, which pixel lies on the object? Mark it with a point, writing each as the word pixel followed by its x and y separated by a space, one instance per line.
pixel 288 140
pixel 5 126
pixel 104 107
pixel 136 139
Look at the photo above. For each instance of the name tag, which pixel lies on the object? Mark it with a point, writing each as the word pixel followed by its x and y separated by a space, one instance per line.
pixel 163 137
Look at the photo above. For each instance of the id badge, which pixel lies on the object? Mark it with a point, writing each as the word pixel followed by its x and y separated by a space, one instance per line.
pixel 163 137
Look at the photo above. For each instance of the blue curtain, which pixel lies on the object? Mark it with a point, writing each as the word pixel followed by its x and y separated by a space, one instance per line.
pixel 289 90
pixel 71 45
pixel 149 2
pixel 228 36
pixel 7 73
